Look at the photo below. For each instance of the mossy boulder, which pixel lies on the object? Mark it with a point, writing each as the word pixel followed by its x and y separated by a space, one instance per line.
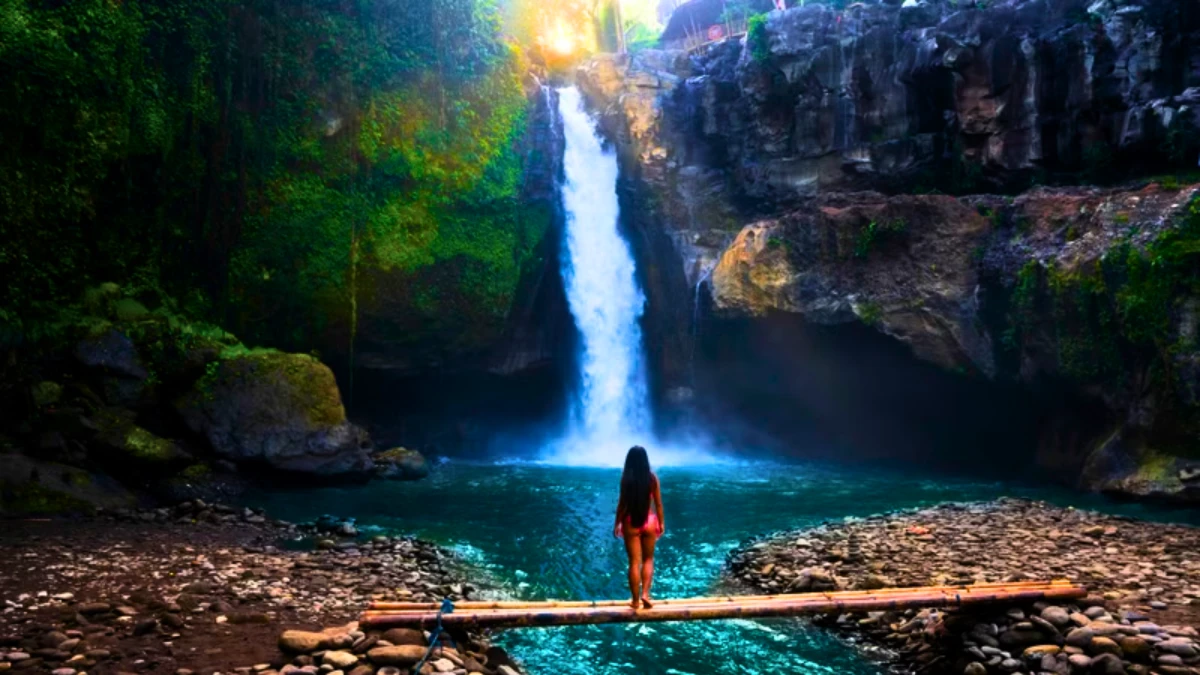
pixel 401 464
pixel 127 442
pixel 46 394
pixel 110 351
pixel 1124 466
pixel 282 411
pixel 201 481
pixel 29 486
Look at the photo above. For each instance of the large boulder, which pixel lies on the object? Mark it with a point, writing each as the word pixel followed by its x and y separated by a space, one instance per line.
pixel 132 447
pixel 110 351
pixel 401 464
pixel 30 486
pixel 1124 466
pixel 282 411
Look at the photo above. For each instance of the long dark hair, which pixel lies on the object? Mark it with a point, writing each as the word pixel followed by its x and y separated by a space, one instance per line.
pixel 635 486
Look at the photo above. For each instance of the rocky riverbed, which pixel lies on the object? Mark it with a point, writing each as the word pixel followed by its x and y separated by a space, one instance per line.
pixel 201 589
pixel 1141 615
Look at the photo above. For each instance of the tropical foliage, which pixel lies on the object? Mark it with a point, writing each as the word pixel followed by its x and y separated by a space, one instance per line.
pixel 260 163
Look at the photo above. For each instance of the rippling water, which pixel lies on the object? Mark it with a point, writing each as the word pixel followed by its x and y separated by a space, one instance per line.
pixel 547 531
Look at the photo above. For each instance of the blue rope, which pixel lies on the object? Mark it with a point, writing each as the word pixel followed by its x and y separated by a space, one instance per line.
pixel 435 637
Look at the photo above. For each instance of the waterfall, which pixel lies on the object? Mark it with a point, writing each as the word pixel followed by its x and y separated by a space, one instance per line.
pixel 611 409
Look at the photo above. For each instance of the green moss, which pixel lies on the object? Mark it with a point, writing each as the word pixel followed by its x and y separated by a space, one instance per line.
pixel 1156 467
pixel 308 384
pixel 196 472
pixel 331 141
pixel 875 233
pixel 1119 311
pixel 32 498
pixel 118 432
pixel 757 39
pixel 46 393
pixel 869 312
pixel 147 447
pixel 128 309
pixel 397 454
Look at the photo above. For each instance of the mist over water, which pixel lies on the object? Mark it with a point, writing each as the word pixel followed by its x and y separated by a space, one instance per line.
pixel 610 411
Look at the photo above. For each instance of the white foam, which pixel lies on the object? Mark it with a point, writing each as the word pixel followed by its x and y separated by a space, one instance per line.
pixel 611 409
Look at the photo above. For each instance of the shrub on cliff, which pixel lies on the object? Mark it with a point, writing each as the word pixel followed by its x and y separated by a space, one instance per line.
pixel 757 38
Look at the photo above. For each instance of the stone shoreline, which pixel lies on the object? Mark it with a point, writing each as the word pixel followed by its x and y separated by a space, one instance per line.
pixel 202 589
pixel 1141 616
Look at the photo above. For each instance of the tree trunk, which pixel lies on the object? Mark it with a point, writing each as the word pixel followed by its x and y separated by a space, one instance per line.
pixel 620 26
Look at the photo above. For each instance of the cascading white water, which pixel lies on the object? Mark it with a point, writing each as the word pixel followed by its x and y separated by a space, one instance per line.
pixel 611 410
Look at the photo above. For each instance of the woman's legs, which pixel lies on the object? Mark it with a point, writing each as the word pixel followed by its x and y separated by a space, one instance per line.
pixel 633 548
pixel 649 539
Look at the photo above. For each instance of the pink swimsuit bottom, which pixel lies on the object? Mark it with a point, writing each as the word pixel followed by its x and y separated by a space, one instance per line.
pixel 648 527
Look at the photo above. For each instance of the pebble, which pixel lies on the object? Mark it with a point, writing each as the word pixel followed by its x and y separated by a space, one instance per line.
pixel 215 584
pixel 1056 616
pixel 1108 633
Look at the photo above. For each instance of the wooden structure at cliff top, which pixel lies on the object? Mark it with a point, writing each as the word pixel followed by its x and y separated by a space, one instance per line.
pixel 483 614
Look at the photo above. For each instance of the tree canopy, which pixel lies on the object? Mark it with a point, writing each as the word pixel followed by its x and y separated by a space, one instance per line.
pixel 252 162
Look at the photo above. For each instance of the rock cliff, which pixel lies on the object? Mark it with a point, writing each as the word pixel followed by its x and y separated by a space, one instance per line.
pixel 811 168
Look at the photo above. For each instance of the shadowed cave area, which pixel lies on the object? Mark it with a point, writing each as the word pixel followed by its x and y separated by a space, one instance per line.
pixel 849 393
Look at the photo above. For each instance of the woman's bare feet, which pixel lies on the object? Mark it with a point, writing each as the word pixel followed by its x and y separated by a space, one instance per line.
pixel 634 604
pixel 647 602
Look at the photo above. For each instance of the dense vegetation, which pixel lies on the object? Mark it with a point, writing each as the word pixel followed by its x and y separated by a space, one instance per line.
pixel 1122 322
pixel 266 165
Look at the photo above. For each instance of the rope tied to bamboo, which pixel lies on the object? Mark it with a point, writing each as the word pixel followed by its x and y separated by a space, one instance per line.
pixel 435 636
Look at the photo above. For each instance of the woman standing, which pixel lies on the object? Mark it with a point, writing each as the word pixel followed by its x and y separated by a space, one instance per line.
pixel 640 522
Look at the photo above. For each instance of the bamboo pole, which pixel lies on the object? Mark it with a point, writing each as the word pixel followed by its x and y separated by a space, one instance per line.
pixel 782 606
pixel 387 607
pixel 692 603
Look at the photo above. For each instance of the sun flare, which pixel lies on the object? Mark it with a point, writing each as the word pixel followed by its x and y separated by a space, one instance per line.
pixel 561 40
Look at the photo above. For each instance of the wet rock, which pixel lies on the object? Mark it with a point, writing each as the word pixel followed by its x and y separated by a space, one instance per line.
pixel 243 618
pixel 1180 647
pixel 302 642
pixel 111 351
pixel 401 656
pixel 172 621
pixel 1036 652
pixel 1057 616
pixel 401 464
pixel 339 659
pixel 1107 664
pixel 1103 645
pixel 1134 648
pixel 52 639
pixel 405 636
pixel 876 581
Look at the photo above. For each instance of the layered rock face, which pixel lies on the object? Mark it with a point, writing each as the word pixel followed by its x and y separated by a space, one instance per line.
pixel 880 96
pixel 784 166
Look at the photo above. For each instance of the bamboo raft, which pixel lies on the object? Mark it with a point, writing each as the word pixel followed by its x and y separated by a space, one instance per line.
pixel 516 614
